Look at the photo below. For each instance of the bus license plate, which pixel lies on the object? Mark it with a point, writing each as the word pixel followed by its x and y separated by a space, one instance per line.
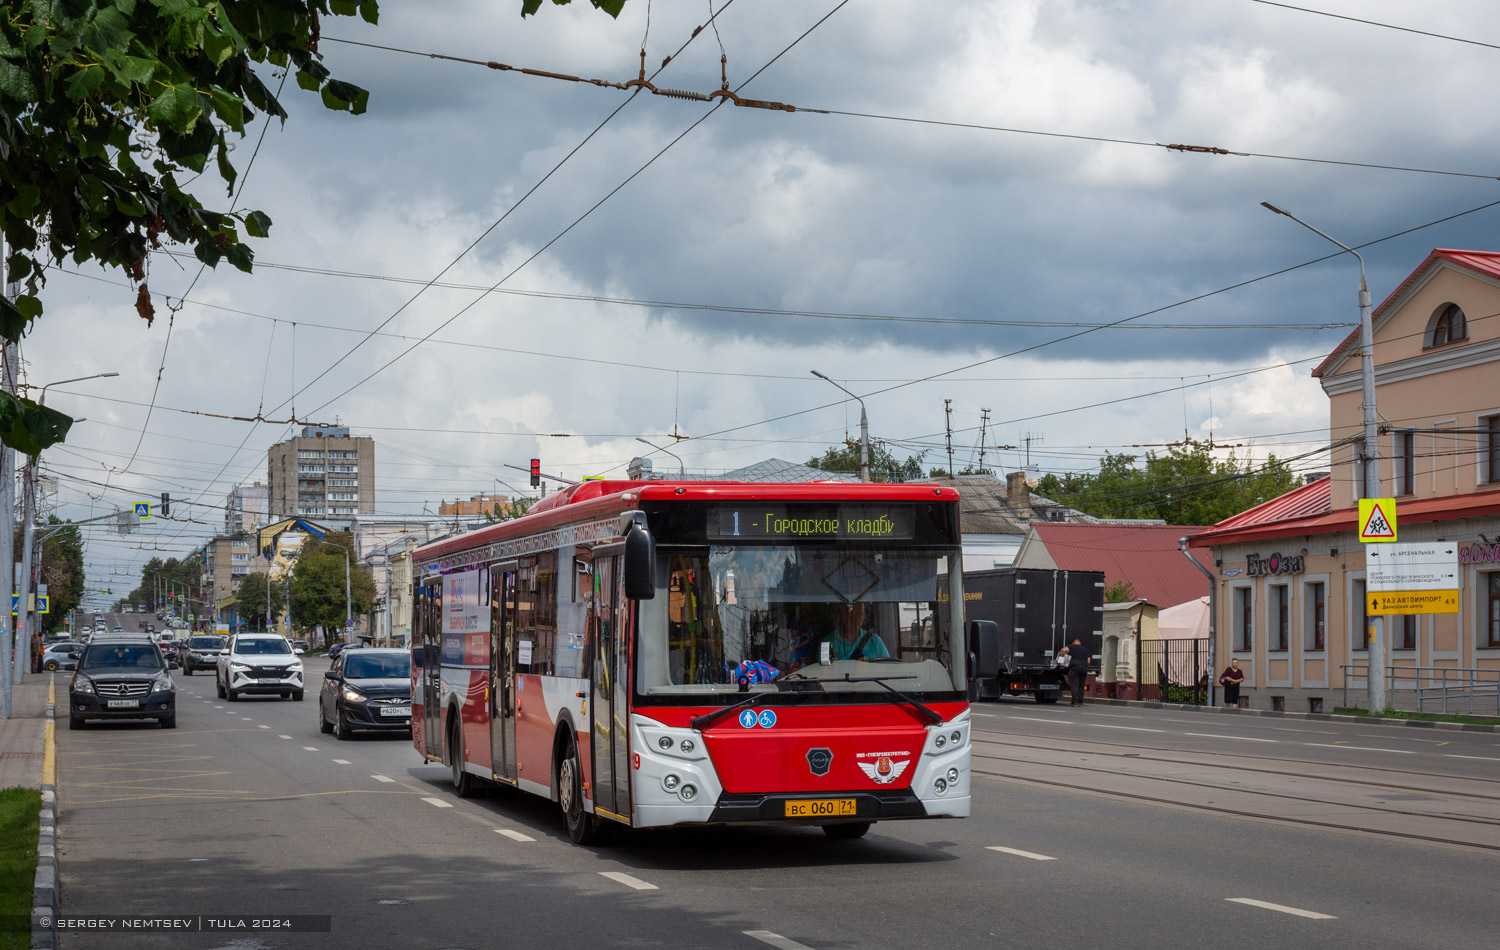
pixel 824 808
pixel 124 704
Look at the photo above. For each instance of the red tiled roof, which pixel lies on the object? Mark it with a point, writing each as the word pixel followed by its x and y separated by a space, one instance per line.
pixel 1482 262
pixel 1145 555
pixel 1304 519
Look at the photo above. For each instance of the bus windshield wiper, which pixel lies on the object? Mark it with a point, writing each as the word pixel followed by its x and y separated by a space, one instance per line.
pixel 707 719
pixel 932 716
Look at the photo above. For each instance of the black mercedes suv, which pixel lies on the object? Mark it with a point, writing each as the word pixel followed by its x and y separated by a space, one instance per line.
pixel 122 676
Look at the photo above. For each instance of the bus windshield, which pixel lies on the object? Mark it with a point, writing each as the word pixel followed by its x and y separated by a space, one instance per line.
pixel 801 617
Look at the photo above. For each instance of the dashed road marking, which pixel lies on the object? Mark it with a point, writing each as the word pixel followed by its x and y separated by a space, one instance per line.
pixel 1359 748
pixel 775 940
pixel 310 748
pixel 1105 725
pixel 629 880
pixel 1281 908
pixel 1210 735
pixel 1485 758
pixel 283 737
pixel 438 803
pixel 262 727
pixel 1066 722
pixel 1032 855
pixel 382 778
pixel 343 762
pixel 247 719
pixel 513 835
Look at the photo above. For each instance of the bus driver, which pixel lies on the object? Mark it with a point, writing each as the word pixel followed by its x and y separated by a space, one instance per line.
pixel 853 641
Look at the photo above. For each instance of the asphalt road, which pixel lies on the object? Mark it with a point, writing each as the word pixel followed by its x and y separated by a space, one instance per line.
pixel 246 808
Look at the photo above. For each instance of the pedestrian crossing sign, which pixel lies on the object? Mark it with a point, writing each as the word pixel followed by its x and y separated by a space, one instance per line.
pixel 43 604
pixel 143 510
pixel 1377 519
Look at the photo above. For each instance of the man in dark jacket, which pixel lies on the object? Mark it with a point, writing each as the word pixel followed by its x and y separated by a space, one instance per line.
pixel 1078 669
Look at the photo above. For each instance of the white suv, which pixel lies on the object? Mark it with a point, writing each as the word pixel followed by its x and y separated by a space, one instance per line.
pixel 259 663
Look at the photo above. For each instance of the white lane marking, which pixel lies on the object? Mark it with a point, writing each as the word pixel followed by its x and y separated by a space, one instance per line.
pixel 1105 725
pixel 1210 735
pixel 1486 758
pixel 438 803
pixel 513 835
pixel 775 940
pixel 1281 908
pixel 1371 735
pixel 382 778
pixel 247 719
pixel 310 748
pixel 262 727
pixel 283 737
pixel 1065 722
pixel 1021 854
pixel 343 762
pixel 217 706
pixel 628 880
pixel 1359 748
pixel 1305 732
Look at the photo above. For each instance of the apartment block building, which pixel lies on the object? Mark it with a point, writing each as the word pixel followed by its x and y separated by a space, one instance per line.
pixel 247 508
pixel 325 473
pixel 227 559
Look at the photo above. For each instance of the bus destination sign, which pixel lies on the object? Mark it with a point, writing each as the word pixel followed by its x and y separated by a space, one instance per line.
pixel 851 522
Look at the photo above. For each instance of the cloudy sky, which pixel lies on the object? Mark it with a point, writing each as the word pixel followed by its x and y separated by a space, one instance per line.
pixel 914 262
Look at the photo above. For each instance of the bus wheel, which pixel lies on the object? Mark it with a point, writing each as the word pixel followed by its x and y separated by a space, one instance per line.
pixel 854 829
pixel 463 782
pixel 582 827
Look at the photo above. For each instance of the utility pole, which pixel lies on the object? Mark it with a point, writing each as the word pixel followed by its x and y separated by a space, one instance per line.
pixel 984 421
pixel 7 502
pixel 28 528
pixel 948 429
pixel 1369 453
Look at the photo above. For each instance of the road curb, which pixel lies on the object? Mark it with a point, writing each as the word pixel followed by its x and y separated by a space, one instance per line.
pixel 44 888
pixel 1311 717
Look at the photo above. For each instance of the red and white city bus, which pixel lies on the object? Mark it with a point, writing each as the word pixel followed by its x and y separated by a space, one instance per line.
pixel 660 653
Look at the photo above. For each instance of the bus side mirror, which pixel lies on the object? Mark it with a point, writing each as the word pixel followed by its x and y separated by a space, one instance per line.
pixel 984 649
pixel 640 563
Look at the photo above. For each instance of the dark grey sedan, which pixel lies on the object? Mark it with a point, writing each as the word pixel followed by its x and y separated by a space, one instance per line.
pixel 366 689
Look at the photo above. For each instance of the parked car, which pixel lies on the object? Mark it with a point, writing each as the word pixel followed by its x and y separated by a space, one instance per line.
pixel 122 677
pixel 258 663
pixel 300 647
pixel 62 655
pixel 336 649
pixel 366 689
pixel 200 652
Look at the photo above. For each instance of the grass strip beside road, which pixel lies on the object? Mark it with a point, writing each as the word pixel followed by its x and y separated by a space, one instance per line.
pixel 20 818
pixel 1419 717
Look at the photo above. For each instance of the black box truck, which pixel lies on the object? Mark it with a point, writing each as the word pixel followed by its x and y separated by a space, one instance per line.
pixel 1038 612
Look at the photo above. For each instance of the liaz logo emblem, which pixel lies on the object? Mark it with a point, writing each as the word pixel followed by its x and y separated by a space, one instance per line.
pixel 819 760
pixel 884 769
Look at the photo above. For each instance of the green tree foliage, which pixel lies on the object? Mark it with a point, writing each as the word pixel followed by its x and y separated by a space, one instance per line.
pixel 1187 485
pixel 250 600
pixel 318 583
pixel 1120 592
pixel 182 576
pixel 884 466
pixel 61 569
pixel 514 509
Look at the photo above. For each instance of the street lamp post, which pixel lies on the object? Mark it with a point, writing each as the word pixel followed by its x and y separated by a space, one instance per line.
pixel 28 532
pixel 348 597
pixel 864 431
pixel 1369 452
pixel 681 471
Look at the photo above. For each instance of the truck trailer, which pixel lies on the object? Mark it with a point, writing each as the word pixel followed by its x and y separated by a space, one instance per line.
pixel 1038 612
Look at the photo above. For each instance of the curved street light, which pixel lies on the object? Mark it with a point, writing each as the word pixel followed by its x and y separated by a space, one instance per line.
pixel 864 430
pixel 681 472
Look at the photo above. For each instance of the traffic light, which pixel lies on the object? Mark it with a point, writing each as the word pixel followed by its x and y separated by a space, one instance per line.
pixel 536 472
pixel 166 504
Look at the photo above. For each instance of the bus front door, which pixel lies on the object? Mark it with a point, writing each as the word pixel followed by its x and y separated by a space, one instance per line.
pixel 503 671
pixel 608 706
pixel 432 666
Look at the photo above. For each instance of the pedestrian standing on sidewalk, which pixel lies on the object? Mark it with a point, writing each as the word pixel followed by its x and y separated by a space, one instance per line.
pixel 1231 680
pixel 1078 669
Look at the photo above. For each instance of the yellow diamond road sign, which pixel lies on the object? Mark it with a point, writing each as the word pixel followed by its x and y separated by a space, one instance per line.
pixel 1377 519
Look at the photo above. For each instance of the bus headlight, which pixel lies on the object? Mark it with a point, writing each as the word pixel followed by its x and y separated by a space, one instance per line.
pixel 953 776
pixel 687 746
pixel 689 792
pixel 940 741
pixel 941 785
pixel 957 737
pixel 670 781
pixel 664 743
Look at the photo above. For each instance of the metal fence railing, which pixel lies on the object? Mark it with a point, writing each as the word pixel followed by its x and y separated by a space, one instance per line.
pixel 1440 689
pixel 1173 671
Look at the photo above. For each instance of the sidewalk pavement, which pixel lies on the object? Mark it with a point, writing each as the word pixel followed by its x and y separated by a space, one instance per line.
pixel 23 735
